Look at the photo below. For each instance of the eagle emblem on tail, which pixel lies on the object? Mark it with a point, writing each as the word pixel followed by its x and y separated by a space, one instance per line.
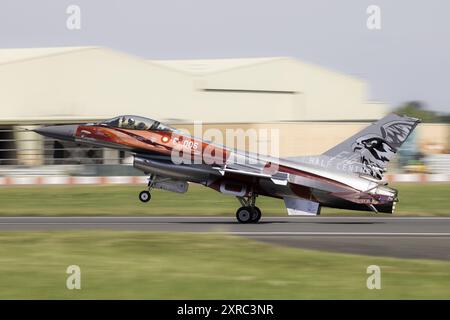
pixel 375 150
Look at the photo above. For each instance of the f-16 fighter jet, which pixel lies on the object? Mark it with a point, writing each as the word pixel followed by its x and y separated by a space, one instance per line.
pixel 348 176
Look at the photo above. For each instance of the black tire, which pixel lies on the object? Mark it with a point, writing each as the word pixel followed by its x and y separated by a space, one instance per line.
pixel 145 196
pixel 244 214
pixel 256 216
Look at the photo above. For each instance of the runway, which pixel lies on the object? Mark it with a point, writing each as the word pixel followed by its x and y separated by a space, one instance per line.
pixel 406 237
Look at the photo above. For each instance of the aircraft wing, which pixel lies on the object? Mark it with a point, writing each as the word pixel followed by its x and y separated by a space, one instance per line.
pixel 279 178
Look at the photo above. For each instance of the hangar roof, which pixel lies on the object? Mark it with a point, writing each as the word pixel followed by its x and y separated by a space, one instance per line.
pixel 97 83
pixel 206 66
pixel 19 54
pixel 190 66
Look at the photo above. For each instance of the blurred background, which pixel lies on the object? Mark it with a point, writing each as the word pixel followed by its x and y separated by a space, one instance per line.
pixel 312 107
pixel 316 71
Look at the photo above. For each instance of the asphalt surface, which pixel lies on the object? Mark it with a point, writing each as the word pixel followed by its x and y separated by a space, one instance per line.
pixel 405 237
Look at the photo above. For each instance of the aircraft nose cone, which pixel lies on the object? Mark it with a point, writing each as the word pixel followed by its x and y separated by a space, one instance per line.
pixel 64 132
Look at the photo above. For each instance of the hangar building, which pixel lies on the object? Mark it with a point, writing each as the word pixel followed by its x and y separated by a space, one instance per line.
pixel 57 84
pixel 72 84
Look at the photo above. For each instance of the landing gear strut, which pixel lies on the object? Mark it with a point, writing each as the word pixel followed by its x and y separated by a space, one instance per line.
pixel 145 195
pixel 248 213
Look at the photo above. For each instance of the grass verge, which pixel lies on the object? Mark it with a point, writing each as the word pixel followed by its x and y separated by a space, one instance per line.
pixel 139 265
pixel 415 199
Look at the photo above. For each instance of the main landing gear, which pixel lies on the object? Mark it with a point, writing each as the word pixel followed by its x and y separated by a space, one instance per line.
pixel 145 195
pixel 248 213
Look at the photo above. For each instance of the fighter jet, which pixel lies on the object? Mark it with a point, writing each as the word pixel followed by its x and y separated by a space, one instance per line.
pixel 348 176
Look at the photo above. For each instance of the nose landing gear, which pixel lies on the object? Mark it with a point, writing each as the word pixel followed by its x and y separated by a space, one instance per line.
pixel 145 195
pixel 248 213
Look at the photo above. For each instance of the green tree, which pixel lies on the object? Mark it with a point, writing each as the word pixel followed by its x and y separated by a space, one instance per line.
pixel 416 109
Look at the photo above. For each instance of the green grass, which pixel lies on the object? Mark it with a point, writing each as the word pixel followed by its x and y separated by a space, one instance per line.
pixel 415 199
pixel 139 265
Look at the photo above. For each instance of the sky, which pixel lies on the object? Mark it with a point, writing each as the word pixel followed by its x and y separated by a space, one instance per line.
pixel 408 58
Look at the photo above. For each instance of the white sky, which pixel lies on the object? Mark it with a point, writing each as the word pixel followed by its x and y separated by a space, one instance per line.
pixel 408 59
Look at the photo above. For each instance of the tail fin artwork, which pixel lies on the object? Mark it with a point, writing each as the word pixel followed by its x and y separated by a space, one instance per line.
pixel 373 147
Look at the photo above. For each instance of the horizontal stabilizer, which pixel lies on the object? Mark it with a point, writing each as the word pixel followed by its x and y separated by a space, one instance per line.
pixel 301 207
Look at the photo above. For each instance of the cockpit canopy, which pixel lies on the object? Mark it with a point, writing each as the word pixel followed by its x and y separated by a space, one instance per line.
pixel 136 123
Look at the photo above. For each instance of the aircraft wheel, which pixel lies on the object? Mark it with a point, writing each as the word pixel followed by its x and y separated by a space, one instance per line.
pixel 256 216
pixel 244 214
pixel 145 196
